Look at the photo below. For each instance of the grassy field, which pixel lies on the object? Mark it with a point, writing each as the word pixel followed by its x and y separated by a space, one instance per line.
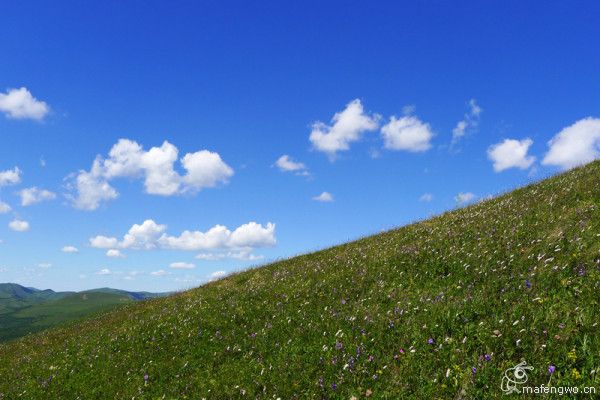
pixel 434 310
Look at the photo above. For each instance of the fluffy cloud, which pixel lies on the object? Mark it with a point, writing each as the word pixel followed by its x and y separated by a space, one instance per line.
pixel 407 133
pixel 575 145
pixel 426 197
pixel 286 164
pixel 4 208
pixel 114 253
pixel 34 195
pixel 463 198
pixel 20 104
pixel 469 122
pixel 346 127
pixel 325 197
pixel 150 235
pixel 511 153
pixel 18 225
pixel 70 249
pixel 44 265
pixel 10 177
pixel 160 272
pixel 182 265
pixel 127 159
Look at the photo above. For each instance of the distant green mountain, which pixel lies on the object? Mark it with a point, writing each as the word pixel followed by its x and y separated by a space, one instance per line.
pixel 26 310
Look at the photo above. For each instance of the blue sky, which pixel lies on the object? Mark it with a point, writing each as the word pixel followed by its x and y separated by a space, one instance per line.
pixel 386 111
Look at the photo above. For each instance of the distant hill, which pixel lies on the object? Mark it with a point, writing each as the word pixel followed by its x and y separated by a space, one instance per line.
pixel 26 310
pixel 439 309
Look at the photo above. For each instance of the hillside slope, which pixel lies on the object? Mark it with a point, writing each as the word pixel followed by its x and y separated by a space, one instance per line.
pixel 27 310
pixel 434 310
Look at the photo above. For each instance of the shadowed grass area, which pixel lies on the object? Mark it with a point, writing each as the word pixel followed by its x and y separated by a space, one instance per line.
pixel 434 310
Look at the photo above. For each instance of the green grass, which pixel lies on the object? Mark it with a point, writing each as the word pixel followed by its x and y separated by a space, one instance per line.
pixel 516 278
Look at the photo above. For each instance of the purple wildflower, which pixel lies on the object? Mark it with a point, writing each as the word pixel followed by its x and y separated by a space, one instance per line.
pixel 473 370
pixel 551 369
pixel 430 341
pixel 333 386
pixel 338 345
pixel 487 357
pixel 527 284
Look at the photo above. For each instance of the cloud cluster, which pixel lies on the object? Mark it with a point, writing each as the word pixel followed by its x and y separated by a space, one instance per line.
pixel 150 235
pixel 347 126
pixel 406 133
pixel 127 159
pixel 575 145
pixel 20 104
pixel 511 153
pixel 34 195
pixel 10 177
pixel 468 123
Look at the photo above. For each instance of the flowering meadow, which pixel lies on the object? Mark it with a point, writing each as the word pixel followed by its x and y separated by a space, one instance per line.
pixel 434 310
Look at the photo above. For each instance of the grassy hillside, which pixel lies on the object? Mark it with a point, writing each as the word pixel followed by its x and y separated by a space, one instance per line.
pixel 434 310
pixel 27 310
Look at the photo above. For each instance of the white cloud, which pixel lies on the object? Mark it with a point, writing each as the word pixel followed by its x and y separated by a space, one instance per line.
pixel 4 208
pixel 144 236
pixel 243 255
pixel 426 197
pixel 10 177
pixel 407 133
pixel 468 123
pixel 150 235
pixel 205 169
pixel 127 159
pixel 182 265
pixel 217 275
pixel 114 253
pixel 511 153
pixel 575 145
pixel 44 265
pixel 104 271
pixel 19 225
pixel 160 272
pixel 346 127
pixel 463 198
pixel 91 191
pixel 34 195
pixel 20 104
pixel 104 242
pixel 287 164
pixel 70 249
pixel 325 197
